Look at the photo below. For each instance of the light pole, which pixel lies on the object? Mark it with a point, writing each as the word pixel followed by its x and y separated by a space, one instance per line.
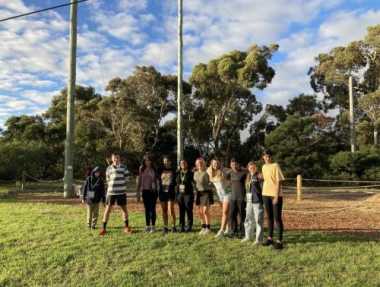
pixel 179 84
pixel 352 120
pixel 68 186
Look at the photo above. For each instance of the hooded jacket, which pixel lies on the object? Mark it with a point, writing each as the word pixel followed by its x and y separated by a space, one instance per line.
pixel 94 190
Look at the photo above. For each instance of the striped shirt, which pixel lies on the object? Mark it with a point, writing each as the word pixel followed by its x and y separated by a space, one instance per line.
pixel 116 179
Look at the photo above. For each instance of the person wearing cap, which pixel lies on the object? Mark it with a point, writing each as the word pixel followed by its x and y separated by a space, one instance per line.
pixel 273 199
pixel 93 194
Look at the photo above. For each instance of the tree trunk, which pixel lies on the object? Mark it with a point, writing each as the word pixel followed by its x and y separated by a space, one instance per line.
pixel 375 136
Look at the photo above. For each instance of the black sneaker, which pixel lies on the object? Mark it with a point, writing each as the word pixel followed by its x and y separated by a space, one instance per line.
pixel 189 229
pixel 268 242
pixel 165 230
pixel 93 227
pixel 174 229
pixel 182 230
pixel 278 245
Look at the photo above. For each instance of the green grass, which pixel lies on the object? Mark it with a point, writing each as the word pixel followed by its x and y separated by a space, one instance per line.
pixel 49 245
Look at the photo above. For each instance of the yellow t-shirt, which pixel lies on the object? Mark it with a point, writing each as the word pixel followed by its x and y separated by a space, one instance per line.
pixel 272 175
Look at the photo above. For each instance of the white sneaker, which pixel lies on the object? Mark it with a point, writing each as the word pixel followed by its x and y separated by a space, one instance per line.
pixel 246 239
pixel 202 231
pixel 220 234
pixel 152 229
pixel 207 231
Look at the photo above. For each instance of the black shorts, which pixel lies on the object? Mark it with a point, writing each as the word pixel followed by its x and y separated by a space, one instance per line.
pixel 166 196
pixel 204 198
pixel 119 199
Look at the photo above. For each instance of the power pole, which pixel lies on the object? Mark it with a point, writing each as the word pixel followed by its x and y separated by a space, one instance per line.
pixel 70 118
pixel 352 120
pixel 179 78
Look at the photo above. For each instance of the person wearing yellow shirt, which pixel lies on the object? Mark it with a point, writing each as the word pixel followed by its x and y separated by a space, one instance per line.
pixel 273 200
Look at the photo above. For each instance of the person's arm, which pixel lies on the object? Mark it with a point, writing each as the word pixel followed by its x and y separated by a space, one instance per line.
pixel 279 177
pixel 103 191
pixel 85 187
pixel 139 181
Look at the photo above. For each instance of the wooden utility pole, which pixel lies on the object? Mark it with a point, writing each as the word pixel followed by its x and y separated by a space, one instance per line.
pixel 179 78
pixel 352 119
pixel 70 118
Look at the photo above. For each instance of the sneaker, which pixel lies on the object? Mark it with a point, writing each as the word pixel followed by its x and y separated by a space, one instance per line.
pixel 174 229
pixel 183 229
pixel 152 229
pixel 202 231
pixel 245 239
pixel 165 230
pixel 147 229
pixel 93 227
pixel 220 234
pixel 188 229
pixel 127 230
pixel 268 242
pixel 278 245
pixel 207 231
pixel 102 232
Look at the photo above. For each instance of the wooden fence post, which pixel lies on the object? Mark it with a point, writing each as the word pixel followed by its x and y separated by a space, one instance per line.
pixel 299 187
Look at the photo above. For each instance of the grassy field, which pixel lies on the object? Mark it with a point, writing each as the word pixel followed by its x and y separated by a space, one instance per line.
pixel 49 245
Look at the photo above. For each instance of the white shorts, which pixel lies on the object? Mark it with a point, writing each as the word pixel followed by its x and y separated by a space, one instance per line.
pixel 222 195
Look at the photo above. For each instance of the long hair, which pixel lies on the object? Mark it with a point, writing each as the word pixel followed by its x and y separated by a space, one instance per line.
pixel 213 173
pixel 143 164
pixel 249 176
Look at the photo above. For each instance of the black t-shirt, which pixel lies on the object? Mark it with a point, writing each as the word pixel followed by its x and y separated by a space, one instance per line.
pixel 167 180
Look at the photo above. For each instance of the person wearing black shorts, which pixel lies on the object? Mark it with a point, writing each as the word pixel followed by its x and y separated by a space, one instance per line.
pixel 166 194
pixel 204 195
pixel 116 175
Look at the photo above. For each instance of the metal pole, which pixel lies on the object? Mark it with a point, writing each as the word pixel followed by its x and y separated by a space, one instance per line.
pixel 352 120
pixel 68 179
pixel 179 77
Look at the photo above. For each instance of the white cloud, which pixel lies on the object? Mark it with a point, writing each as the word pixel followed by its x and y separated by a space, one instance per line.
pixel 301 49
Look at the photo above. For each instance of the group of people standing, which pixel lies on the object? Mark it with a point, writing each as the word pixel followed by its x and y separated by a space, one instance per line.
pixel 243 195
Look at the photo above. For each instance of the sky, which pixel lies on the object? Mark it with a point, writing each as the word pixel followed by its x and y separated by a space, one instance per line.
pixel 116 35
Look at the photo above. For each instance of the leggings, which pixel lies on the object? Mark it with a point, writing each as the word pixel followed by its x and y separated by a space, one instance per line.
pixel 149 199
pixel 185 204
pixel 274 213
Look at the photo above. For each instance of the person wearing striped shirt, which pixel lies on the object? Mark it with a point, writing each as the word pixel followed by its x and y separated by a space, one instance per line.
pixel 116 176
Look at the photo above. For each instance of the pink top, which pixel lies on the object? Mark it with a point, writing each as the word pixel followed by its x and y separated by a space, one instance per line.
pixel 148 179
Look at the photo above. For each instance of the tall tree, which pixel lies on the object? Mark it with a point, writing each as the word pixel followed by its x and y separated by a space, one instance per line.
pixel 370 104
pixel 223 87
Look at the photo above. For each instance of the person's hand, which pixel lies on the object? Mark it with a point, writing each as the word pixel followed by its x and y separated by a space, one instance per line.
pixel 275 200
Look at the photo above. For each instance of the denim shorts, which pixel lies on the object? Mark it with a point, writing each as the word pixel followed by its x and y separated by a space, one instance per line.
pixel 221 192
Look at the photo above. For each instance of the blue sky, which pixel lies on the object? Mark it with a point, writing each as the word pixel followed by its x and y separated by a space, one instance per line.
pixel 116 35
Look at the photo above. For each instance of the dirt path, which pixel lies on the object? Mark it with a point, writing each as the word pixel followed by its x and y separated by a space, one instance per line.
pixel 359 212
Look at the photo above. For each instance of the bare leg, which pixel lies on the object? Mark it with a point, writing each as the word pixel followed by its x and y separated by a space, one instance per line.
pixel 172 212
pixel 125 212
pixel 107 212
pixel 164 206
pixel 226 206
pixel 207 216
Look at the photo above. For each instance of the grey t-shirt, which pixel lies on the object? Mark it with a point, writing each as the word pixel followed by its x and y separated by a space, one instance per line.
pixel 202 181
pixel 237 185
